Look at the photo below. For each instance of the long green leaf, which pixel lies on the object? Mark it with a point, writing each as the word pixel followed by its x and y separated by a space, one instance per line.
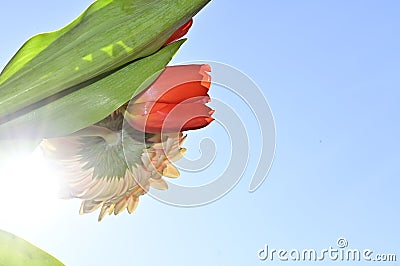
pixel 90 104
pixel 108 34
pixel 16 251
pixel 38 43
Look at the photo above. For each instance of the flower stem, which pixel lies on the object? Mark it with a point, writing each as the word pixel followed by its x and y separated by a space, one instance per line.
pixel 111 137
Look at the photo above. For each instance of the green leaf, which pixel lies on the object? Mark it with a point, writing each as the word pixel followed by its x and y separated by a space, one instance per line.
pixel 38 43
pixel 88 105
pixel 109 34
pixel 16 251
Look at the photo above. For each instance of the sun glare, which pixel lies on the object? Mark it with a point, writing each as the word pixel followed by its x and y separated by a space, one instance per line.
pixel 28 190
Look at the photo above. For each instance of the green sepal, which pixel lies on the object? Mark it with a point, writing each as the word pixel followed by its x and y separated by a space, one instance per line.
pixel 90 104
pixel 108 160
pixel 109 34
pixel 16 251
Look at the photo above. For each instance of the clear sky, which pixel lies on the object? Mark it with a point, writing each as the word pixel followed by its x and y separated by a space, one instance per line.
pixel 330 72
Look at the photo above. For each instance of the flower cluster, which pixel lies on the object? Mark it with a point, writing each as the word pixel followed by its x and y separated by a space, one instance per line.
pixel 109 165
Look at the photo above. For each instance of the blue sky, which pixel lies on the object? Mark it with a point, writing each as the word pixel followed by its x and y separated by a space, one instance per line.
pixel 330 72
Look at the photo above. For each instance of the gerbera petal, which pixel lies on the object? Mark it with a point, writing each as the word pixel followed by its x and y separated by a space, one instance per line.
pixel 171 171
pixel 132 204
pixel 159 184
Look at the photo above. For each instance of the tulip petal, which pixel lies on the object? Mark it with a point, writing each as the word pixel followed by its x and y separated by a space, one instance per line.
pixel 172 118
pixel 187 116
pixel 178 83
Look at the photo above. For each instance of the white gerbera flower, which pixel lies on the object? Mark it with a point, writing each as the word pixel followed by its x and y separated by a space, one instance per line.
pixel 110 168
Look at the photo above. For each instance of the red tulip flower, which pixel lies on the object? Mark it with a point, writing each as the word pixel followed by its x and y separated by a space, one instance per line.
pixel 174 102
